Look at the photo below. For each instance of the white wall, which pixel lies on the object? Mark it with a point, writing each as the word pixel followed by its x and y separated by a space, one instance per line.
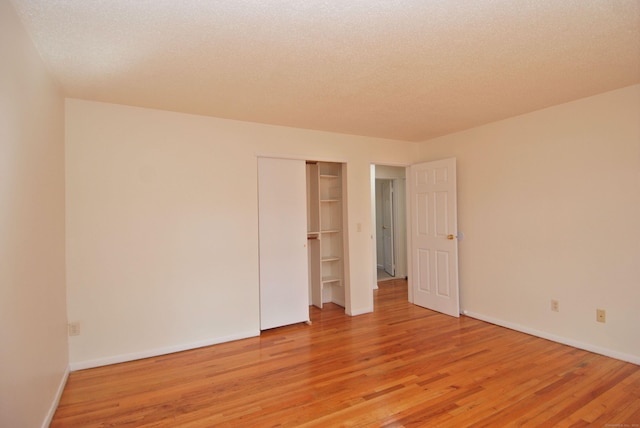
pixel 549 204
pixel 33 335
pixel 162 225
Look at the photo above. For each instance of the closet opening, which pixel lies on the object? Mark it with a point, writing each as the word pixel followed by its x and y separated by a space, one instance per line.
pixel 326 234
pixel 302 238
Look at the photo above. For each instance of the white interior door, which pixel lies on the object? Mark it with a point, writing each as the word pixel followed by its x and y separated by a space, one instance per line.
pixel 282 222
pixel 434 245
pixel 387 227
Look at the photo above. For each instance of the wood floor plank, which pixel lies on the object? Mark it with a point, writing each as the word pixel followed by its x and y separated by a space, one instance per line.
pixel 401 366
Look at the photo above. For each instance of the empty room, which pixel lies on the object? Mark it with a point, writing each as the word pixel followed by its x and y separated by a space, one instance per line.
pixel 191 231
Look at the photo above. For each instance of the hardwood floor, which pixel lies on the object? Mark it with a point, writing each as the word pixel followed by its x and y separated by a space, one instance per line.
pixel 399 366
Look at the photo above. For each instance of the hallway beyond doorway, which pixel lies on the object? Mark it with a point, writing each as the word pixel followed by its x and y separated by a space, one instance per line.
pixel 384 276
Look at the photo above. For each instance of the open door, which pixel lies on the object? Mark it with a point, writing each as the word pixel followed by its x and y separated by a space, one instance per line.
pixel 434 230
pixel 388 227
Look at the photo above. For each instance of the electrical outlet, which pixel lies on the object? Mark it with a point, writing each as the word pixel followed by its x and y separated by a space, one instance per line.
pixel 74 328
pixel 555 306
pixel 601 315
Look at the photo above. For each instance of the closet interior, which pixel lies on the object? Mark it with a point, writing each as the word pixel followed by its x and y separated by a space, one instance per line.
pixel 325 232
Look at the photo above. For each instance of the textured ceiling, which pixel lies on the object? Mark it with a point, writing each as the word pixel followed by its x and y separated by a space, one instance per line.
pixel 401 69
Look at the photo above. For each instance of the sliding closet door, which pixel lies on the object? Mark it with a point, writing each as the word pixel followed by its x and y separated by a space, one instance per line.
pixel 282 205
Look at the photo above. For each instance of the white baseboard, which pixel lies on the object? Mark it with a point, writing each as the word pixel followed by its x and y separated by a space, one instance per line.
pixel 81 365
pixel 56 399
pixel 360 311
pixel 564 340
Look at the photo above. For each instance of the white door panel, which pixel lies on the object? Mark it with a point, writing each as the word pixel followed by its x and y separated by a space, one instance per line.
pixel 388 226
pixel 434 246
pixel 282 221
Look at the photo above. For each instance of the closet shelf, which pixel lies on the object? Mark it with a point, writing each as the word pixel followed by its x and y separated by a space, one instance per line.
pixel 325 222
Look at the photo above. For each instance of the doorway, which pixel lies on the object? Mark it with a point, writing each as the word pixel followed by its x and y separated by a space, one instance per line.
pixel 429 191
pixel 388 190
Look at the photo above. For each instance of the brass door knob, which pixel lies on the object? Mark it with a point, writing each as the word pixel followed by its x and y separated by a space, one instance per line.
pixel 450 237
